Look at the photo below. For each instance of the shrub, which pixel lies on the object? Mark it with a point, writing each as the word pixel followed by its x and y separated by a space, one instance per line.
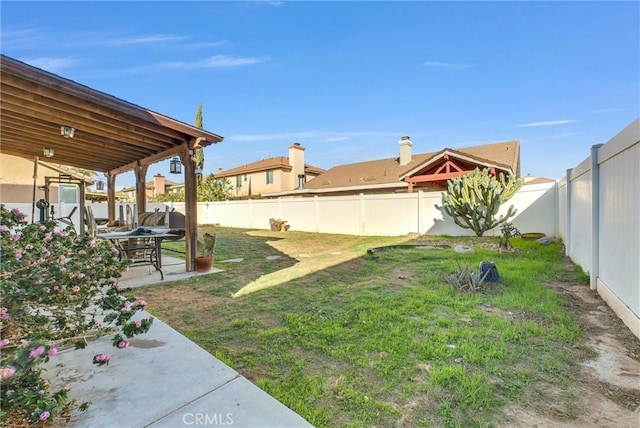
pixel 58 289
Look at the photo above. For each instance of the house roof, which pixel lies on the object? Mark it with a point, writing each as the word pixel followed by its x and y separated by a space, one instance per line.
pixel 150 184
pixel 387 172
pixel 279 162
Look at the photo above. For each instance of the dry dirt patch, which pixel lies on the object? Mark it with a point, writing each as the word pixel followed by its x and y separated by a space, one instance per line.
pixel 608 393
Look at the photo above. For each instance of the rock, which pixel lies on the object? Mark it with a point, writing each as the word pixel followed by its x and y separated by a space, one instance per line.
pixel 273 257
pixel 232 260
pixel 463 249
pixel 545 240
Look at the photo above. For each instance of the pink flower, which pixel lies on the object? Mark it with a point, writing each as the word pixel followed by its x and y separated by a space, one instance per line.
pixel 3 343
pixel 92 243
pixel 7 372
pixel 48 237
pixel 75 289
pixel 142 303
pixel 3 228
pixel 36 352
pixel 101 359
pixel 80 276
pixel 60 233
pixel 138 324
pixel 47 253
pixel 53 352
pixel 41 392
pixel 3 314
pixel 44 415
pixel 19 256
pixel 18 212
pixel 16 236
pixel 123 344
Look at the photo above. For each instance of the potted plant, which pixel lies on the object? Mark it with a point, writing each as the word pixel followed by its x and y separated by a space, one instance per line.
pixel 207 246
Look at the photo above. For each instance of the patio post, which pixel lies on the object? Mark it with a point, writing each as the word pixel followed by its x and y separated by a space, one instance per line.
pixel 141 187
pixel 111 197
pixel 190 210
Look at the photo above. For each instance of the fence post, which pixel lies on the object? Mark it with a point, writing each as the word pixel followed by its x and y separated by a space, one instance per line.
pixel 362 215
pixel 567 220
pixel 316 209
pixel 595 217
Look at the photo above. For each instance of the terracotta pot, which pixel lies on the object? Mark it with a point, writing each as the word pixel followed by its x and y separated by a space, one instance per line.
pixel 203 264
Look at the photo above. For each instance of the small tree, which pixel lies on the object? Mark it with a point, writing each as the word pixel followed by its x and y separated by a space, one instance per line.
pixel 214 189
pixel 199 153
pixel 474 199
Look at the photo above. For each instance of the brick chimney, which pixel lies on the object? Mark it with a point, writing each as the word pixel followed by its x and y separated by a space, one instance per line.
pixel 158 184
pixel 405 150
pixel 296 160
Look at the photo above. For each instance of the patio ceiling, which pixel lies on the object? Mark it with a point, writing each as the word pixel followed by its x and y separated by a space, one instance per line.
pixel 111 135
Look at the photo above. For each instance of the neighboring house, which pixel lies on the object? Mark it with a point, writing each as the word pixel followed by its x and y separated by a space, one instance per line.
pixel 409 172
pixel 271 175
pixel 16 181
pixel 158 186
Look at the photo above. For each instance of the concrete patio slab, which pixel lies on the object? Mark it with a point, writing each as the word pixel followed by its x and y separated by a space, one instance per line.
pixel 159 380
pixel 172 267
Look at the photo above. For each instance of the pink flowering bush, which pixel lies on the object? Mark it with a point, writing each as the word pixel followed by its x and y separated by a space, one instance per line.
pixel 58 289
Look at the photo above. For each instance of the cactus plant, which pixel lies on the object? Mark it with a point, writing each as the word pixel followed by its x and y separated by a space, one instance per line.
pixel 473 200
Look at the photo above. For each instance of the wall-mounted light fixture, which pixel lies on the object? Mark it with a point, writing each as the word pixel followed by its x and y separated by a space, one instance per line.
pixel 175 167
pixel 47 152
pixel 67 131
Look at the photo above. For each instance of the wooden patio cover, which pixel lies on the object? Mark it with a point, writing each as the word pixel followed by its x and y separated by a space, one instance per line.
pixel 111 135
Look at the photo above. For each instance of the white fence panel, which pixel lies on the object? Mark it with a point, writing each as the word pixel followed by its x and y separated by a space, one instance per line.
pixel 561 219
pixel 339 214
pixel 619 227
pixel 389 215
pixel 580 216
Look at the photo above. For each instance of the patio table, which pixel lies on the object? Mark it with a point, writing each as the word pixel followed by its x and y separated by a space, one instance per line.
pixel 143 249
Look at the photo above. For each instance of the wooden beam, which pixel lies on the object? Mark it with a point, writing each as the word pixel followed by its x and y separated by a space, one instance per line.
pixel 111 197
pixel 190 208
pixel 151 159
pixel 434 177
pixel 55 111
pixel 88 99
pixel 141 188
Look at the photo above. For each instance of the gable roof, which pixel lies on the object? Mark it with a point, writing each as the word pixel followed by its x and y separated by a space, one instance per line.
pixel 279 162
pixel 389 173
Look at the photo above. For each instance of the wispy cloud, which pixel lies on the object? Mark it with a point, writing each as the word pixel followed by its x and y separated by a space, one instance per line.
pixel 143 40
pixel 285 136
pixel 51 63
pixel 606 110
pixel 326 136
pixel 216 61
pixel 447 65
pixel 205 45
pixel 546 123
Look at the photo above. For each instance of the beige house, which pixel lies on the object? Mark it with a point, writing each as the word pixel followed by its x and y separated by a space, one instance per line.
pixel 16 181
pixel 409 172
pixel 158 186
pixel 271 175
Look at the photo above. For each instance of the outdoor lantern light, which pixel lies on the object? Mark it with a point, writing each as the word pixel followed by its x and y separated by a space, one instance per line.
pixel 67 131
pixel 99 185
pixel 175 167
pixel 47 152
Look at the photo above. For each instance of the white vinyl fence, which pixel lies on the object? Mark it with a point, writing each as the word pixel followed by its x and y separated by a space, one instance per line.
pixel 599 221
pixel 385 215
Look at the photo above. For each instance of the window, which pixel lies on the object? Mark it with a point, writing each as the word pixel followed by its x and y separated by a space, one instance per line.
pixel 238 181
pixel 68 194
pixel 270 176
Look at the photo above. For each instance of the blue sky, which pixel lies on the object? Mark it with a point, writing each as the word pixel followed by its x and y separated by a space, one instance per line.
pixel 348 79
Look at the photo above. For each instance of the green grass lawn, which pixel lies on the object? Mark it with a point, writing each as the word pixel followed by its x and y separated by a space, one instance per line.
pixel 346 338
